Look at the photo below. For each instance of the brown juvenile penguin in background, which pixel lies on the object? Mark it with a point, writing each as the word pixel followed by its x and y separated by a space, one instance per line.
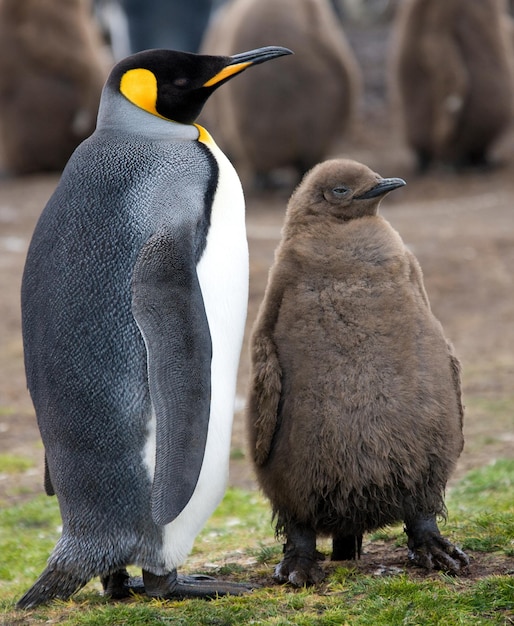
pixel 289 117
pixel 52 69
pixel 354 408
pixel 452 78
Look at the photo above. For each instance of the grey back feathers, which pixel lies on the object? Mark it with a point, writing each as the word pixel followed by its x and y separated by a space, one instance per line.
pixel 289 116
pixel 97 325
pixel 52 69
pixel 355 414
pixel 452 70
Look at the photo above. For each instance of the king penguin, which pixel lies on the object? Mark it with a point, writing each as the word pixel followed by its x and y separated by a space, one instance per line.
pixel 134 299
pixel 355 412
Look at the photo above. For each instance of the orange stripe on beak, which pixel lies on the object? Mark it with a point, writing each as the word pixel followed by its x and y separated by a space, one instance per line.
pixel 227 72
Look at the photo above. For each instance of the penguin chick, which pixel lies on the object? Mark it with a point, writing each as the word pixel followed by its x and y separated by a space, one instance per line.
pixel 51 75
pixel 134 299
pixel 354 407
pixel 283 120
pixel 452 76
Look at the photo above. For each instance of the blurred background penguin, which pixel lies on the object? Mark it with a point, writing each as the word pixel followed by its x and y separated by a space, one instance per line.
pixel 452 79
pixel 52 69
pixel 282 119
pixel 449 80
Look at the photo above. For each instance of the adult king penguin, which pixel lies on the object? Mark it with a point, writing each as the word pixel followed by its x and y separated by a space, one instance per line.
pixel 133 306
pixel 355 413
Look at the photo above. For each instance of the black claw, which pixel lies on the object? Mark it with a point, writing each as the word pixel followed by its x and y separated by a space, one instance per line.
pixel 299 570
pixel 429 549
pixel 421 558
pixel 460 556
pixel 450 559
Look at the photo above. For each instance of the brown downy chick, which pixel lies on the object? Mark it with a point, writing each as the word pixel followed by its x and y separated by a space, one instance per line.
pixel 452 69
pixel 355 413
pixel 52 69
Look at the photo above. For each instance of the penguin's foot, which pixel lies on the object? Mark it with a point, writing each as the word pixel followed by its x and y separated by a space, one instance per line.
pixel 429 549
pixel 172 586
pixel 346 547
pixel 120 585
pixel 300 564
pixel 299 569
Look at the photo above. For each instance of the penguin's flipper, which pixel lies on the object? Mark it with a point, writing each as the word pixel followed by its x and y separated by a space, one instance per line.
pixel 265 394
pixel 168 307
pixel 266 377
pixel 456 377
pixel 416 278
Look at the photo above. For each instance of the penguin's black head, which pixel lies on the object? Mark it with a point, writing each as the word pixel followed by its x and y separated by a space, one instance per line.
pixel 175 85
pixel 342 188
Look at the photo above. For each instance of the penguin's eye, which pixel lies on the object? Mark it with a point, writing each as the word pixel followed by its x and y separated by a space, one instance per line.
pixel 181 82
pixel 340 191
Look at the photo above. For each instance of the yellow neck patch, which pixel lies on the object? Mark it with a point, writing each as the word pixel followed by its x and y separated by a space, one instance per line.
pixel 140 87
pixel 203 134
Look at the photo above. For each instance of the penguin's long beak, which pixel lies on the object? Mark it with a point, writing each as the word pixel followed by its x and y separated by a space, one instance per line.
pixel 384 186
pixel 239 62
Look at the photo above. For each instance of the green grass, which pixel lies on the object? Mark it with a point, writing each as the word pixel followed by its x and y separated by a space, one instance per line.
pixel 14 464
pixel 486 412
pixel 500 406
pixel 237 454
pixel 238 543
pixel 489 492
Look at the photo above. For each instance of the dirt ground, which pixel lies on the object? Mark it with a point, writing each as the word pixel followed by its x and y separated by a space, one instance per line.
pixel 461 228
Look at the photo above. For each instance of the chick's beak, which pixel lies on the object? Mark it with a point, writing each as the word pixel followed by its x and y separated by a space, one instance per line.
pixel 384 186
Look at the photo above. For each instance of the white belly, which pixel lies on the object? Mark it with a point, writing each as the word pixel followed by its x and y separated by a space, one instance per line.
pixel 223 276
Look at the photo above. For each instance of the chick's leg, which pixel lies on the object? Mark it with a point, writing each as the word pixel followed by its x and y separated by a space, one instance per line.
pixel 300 565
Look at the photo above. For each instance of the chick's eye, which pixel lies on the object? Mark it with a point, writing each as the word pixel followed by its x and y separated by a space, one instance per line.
pixel 340 191
pixel 181 82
